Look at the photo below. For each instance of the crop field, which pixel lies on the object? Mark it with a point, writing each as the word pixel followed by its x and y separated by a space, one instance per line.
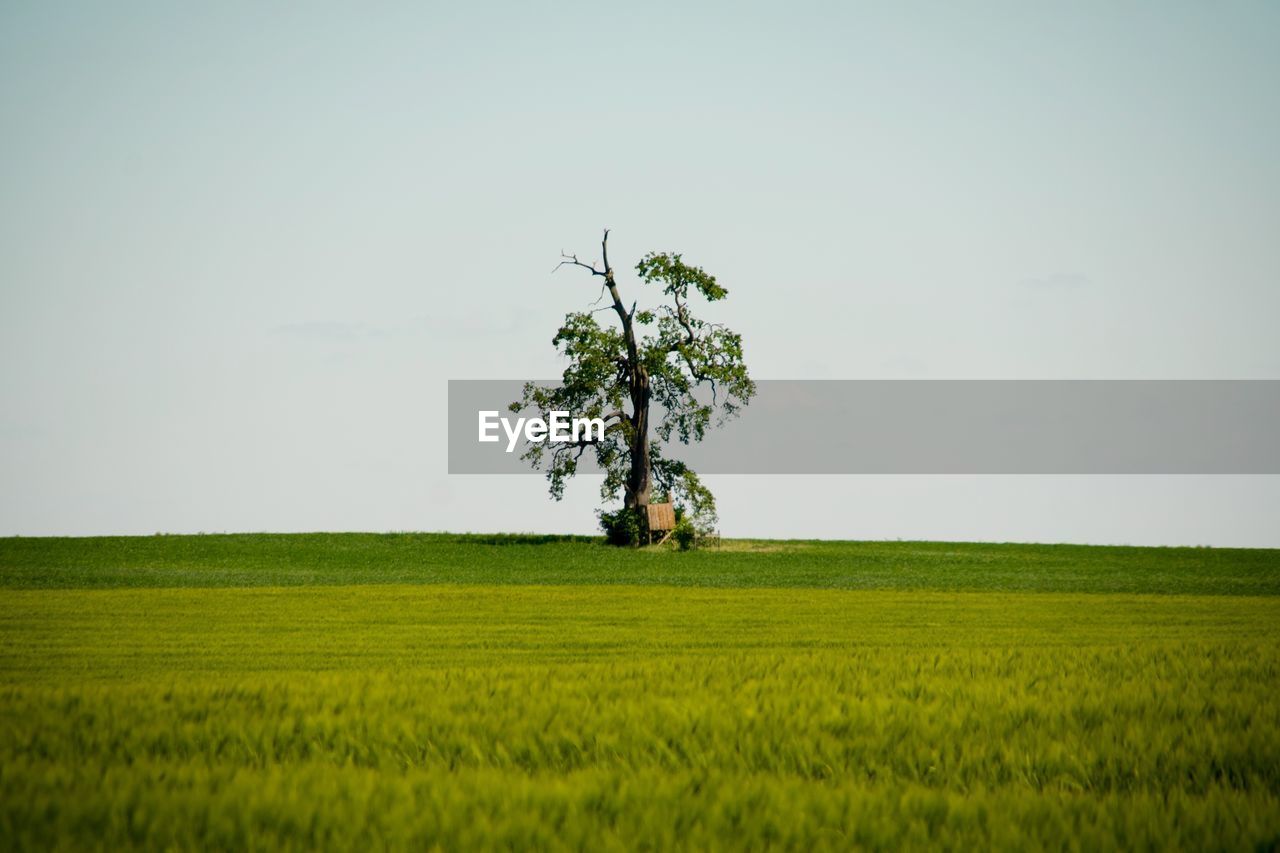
pixel 419 692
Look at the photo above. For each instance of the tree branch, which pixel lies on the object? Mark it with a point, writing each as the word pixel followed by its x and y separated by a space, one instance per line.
pixel 682 317
pixel 572 260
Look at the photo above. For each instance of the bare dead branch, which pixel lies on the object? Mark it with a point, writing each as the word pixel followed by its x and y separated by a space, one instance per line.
pixel 628 330
pixel 572 260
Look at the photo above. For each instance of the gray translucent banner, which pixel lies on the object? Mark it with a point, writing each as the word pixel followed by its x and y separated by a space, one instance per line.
pixel 947 427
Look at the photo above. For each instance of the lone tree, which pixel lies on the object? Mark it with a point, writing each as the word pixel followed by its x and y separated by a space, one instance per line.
pixel 616 373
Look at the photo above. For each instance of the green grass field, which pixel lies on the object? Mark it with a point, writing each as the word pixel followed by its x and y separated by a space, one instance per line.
pixel 368 558
pixel 422 691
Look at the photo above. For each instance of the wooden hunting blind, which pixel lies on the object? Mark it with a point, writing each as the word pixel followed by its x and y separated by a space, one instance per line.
pixel 662 519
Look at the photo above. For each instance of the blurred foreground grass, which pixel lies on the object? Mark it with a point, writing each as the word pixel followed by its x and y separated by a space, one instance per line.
pixel 596 717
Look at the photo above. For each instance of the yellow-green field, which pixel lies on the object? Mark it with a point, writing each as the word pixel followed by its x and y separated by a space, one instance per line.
pixel 612 716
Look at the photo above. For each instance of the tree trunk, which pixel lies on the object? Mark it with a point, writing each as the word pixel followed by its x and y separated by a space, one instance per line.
pixel 640 483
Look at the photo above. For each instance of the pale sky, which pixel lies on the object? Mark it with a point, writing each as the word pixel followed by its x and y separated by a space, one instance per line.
pixel 243 246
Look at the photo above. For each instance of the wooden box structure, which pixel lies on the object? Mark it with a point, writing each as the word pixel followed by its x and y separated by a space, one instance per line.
pixel 662 519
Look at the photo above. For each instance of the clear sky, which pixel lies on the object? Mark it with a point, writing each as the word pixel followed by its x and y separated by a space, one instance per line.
pixel 244 245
